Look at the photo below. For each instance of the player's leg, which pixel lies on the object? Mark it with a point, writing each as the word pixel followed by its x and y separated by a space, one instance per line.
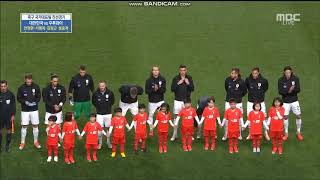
pixel 8 135
pixel 88 149
pixel 235 145
pixel 107 124
pixel 161 141
pixel 1 127
pixel 77 110
pixel 136 142
pixel 184 139
pixel 122 143
pixel 230 140
pixel 25 119
pixel 297 111
pixel 49 148
pixel 190 136
pixel 86 108
pixel 66 153
pixel 287 109
pixel 177 106
pixel 206 139
pixel 71 158
pixel 143 143
pixel 34 116
pixel 134 108
pixel 254 143
pixel 274 142
pixel 164 140
pixel 94 154
pixel 55 153
pixel 100 120
pixel 259 143
pixel 124 107
pixel 280 139
pixel 114 146
pixel 213 140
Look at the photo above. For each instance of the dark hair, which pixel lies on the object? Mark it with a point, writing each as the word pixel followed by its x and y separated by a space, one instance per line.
pixel 287 68
pixel 28 76
pixel 165 105
pixel 187 100
pixel 52 76
pixel 68 116
pixel 256 69
pixel 277 99
pixel 182 66
pixel 232 100
pixel 52 118
pixel 254 104
pixel 237 70
pixel 133 91
pixel 117 109
pixel 82 67
pixel 3 82
pixel 141 106
pixel 93 115
pixel 211 99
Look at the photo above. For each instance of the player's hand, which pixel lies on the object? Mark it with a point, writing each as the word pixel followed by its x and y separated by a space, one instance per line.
pixel 187 81
pixel 243 128
pixel 71 102
pixel 291 89
pixel 80 137
pixel 181 81
pixel 156 87
pixel 56 108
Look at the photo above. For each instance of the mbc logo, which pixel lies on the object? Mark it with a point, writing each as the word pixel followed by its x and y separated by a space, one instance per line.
pixel 288 19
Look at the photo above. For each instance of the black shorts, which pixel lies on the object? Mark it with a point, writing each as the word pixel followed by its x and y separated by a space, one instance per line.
pixel 5 124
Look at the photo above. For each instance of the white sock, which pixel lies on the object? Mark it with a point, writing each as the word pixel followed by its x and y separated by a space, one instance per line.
pixel 23 135
pixel 298 122
pixel 286 125
pixel 100 137
pixel 35 134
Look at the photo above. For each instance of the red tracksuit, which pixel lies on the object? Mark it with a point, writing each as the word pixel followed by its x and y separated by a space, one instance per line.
pixel 69 129
pixel 141 130
pixel 92 130
pixel 209 129
pixel 276 128
pixel 163 128
pixel 256 122
pixel 118 124
pixel 187 126
pixel 233 117
pixel 52 140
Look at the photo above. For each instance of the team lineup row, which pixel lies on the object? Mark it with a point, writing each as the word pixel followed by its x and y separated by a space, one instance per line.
pixel 54 97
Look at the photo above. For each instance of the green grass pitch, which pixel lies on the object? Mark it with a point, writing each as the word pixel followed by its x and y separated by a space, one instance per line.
pixel 119 44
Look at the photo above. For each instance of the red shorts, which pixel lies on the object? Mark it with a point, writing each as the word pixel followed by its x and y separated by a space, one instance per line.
pixel 118 140
pixel 256 136
pixel 209 133
pixel 233 134
pixel 187 130
pixel 140 136
pixel 91 146
pixel 276 134
pixel 68 145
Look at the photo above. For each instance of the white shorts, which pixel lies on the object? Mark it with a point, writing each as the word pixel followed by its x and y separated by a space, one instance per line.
pixel 177 106
pixel 32 116
pixel 104 120
pixel 250 108
pixel 152 109
pixel 294 107
pixel 238 105
pixel 58 115
pixel 126 106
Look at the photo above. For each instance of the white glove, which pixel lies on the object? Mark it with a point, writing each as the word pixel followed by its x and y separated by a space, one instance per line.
pixel 71 103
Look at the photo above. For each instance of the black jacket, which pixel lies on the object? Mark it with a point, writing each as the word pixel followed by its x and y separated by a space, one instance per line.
pixel 53 96
pixel 103 101
pixel 202 103
pixel 235 89
pixel 182 91
pixel 256 88
pixel 155 96
pixel 81 87
pixel 125 93
pixel 31 94
pixel 284 85
pixel 7 105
